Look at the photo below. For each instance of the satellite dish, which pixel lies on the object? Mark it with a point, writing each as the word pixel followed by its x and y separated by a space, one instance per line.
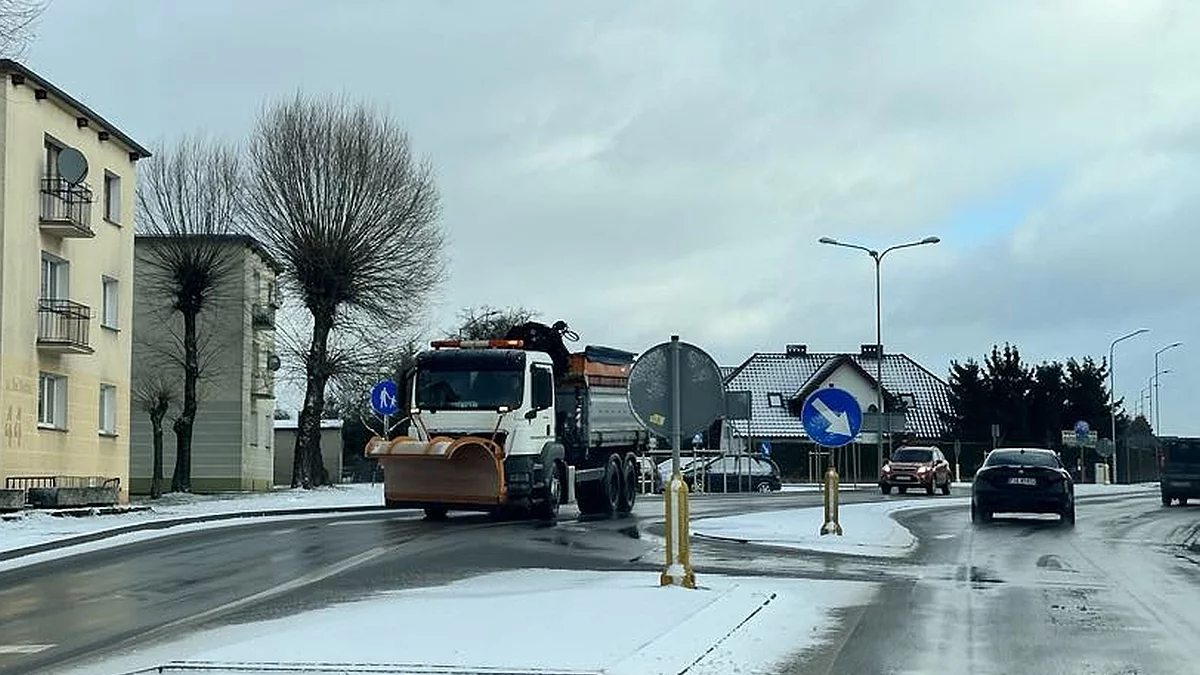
pixel 273 362
pixel 72 165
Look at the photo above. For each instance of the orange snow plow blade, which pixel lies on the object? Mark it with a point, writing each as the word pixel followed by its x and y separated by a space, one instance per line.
pixel 465 471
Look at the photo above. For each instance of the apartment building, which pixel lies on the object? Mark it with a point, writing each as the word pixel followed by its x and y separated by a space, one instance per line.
pixel 66 266
pixel 233 437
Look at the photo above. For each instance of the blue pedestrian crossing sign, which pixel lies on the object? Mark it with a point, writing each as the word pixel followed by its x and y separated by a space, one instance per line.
pixel 384 399
pixel 831 417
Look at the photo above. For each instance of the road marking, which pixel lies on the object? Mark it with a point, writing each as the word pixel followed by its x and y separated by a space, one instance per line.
pixel 23 649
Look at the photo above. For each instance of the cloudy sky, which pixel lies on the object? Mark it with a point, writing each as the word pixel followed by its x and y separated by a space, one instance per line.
pixel 642 169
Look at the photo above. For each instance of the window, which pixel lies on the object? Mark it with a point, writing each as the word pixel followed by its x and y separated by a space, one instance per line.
pixel 52 151
pixel 775 400
pixel 52 401
pixel 112 198
pixel 55 274
pixel 109 302
pixel 108 410
pixel 908 401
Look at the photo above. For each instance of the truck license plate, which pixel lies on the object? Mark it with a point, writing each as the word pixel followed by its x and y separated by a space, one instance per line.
pixel 1022 481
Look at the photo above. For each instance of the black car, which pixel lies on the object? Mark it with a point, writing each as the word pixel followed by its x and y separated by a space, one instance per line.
pixel 1022 480
pixel 1179 470
pixel 728 473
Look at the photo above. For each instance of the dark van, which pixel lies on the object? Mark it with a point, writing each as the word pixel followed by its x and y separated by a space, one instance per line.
pixel 1179 469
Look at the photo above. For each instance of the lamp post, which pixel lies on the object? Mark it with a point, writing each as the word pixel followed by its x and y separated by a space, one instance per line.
pixel 877 256
pixel 1156 397
pixel 1112 392
pixel 1151 383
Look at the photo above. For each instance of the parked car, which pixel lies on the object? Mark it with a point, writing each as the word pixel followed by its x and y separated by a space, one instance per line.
pixel 916 466
pixel 728 473
pixel 1022 480
pixel 1179 470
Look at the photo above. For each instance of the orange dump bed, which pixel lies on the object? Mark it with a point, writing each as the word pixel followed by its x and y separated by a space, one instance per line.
pixel 581 365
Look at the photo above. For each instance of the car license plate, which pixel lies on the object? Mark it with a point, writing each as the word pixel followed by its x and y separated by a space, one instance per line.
pixel 902 478
pixel 1022 481
pixel 1181 483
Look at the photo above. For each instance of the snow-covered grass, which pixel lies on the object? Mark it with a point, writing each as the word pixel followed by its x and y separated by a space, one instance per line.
pixel 30 528
pixel 540 621
pixel 868 528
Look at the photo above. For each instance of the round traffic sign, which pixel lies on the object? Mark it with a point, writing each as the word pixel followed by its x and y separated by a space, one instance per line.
pixel 701 391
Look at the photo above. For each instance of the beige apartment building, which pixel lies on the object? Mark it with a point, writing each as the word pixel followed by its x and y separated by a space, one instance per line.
pixel 233 437
pixel 66 265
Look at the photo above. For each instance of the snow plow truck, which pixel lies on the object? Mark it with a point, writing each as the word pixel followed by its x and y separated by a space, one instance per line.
pixel 517 427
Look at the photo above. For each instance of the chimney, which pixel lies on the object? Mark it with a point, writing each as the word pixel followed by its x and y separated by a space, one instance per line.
pixel 797 351
pixel 869 352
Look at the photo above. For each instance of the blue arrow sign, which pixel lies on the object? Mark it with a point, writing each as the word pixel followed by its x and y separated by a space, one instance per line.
pixel 1081 431
pixel 384 400
pixel 831 417
pixel 765 446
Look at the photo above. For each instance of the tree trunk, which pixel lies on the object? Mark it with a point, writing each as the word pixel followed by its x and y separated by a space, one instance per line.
pixel 156 479
pixel 308 467
pixel 181 481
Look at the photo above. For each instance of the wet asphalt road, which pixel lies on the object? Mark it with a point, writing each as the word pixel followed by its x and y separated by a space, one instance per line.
pixel 1118 595
pixel 63 613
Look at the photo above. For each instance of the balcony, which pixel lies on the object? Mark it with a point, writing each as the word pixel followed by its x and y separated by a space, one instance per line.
pixel 262 384
pixel 262 316
pixel 66 208
pixel 63 326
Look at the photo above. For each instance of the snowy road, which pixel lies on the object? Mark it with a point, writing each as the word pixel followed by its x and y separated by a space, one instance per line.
pixel 69 611
pixel 1119 595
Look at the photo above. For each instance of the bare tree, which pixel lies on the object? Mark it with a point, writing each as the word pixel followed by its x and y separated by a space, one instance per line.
pixel 155 394
pixel 490 323
pixel 189 202
pixel 351 215
pixel 17 21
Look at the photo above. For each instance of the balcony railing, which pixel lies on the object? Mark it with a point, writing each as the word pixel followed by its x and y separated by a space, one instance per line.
pixel 63 326
pixel 66 208
pixel 262 384
pixel 262 316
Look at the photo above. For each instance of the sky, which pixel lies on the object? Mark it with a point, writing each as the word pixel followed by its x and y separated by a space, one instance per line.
pixel 647 169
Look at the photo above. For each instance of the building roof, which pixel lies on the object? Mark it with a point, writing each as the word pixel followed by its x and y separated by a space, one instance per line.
pixel 20 70
pixel 244 239
pixel 795 375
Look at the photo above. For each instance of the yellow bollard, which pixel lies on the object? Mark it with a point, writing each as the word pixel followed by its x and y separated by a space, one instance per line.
pixel 831 525
pixel 679 560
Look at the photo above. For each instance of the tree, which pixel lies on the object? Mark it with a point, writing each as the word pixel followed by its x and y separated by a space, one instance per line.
pixel 155 394
pixel 970 404
pixel 490 323
pixel 189 199
pixel 18 18
pixel 1047 403
pixel 351 215
pixel 1009 383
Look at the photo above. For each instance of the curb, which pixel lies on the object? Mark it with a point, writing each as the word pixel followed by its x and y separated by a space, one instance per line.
pixel 168 523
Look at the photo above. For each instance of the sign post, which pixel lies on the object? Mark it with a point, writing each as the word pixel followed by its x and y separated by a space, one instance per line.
pixel 676 388
pixel 832 418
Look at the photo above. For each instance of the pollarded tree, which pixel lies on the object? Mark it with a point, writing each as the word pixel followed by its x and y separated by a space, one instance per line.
pixel 189 202
pixel 490 323
pixel 17 21
pixel 340 200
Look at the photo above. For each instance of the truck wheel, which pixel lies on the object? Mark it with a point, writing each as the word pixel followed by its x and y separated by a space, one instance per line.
pixel 546 510
pixel 629 484
pixel 610 487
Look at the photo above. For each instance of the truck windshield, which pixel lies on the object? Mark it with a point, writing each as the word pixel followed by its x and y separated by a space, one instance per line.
pixel 469 389
pixel 1181 452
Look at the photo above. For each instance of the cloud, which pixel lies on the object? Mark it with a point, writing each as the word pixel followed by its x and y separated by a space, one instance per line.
pixel 647 169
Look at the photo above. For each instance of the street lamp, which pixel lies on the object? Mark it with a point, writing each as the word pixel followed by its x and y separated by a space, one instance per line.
pixel 1112 392
pixel 1156 397
pixel 1151 383
pixel 878 258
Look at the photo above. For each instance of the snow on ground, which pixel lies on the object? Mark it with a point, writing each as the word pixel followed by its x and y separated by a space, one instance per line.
pixel 29 528
pixel 868 528
pixel 539 620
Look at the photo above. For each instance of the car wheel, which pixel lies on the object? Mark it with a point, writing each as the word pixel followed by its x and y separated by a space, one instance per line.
pixel 763 486
pixel 1068 516
pixel 1183 501
pixel 946 486
pixel 885 488
pixel 902 490
pixel 929 488
pixel 1166 499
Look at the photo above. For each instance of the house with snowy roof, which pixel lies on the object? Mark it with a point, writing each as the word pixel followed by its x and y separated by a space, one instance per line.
pixel 780 382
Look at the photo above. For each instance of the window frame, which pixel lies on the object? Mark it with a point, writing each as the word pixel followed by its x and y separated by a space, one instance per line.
pixel 112 197
pixel 62 277
pixel 110 312
pixel 775 399
pixel 57 406
pixel 107 427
